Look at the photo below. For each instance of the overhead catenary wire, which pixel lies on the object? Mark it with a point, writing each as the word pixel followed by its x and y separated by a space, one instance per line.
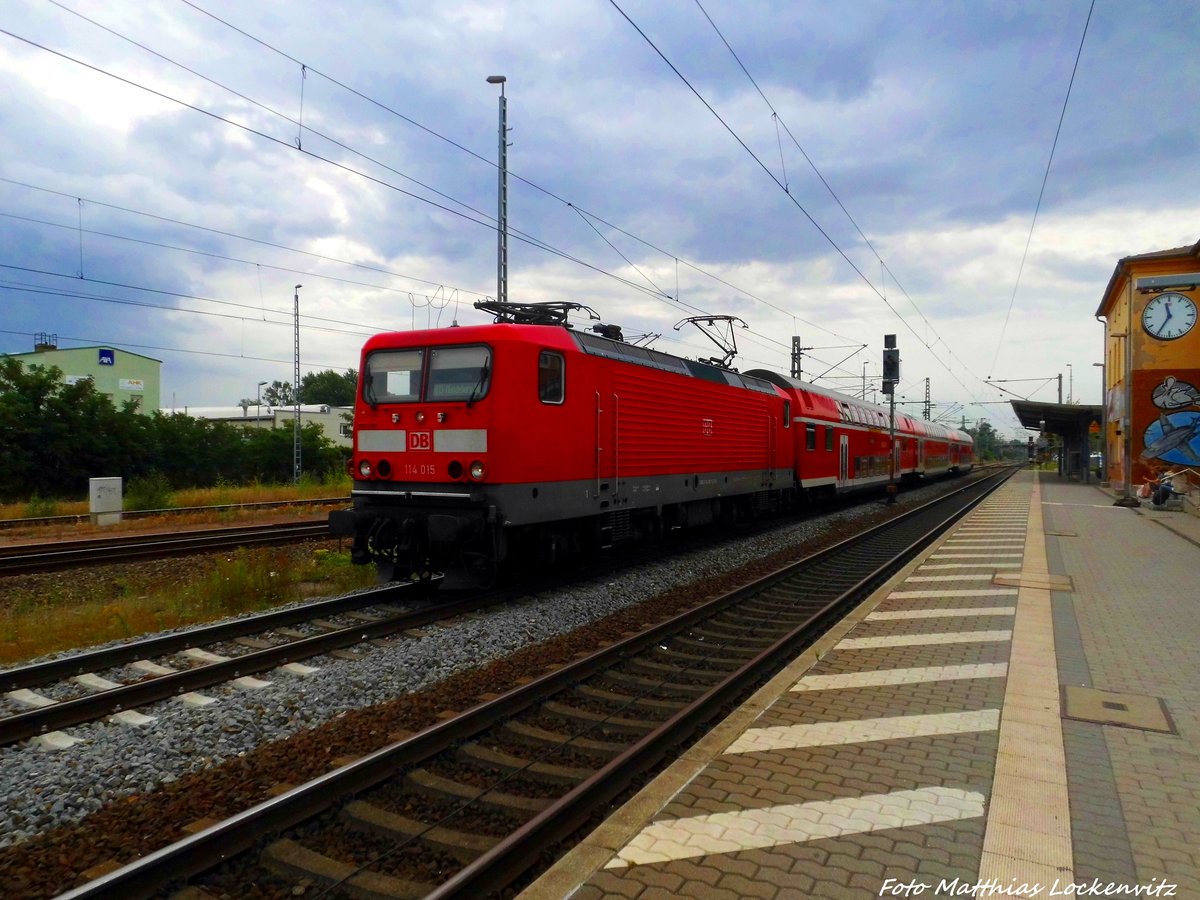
pixel 485 222
pixel 529 239
pixel 90 341
pixel 305 69
pixel 533 241
pixel 243 237
pixel 510 173
pixel 210 255
pixel 767 170
pixel 779 123
pixel 1042 191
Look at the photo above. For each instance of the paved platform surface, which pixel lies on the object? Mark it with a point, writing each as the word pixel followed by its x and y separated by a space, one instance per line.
pixel 1015 714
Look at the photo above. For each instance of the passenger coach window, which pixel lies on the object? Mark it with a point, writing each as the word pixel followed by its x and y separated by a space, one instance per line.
pixel 828 438
pixel 551 385
pixel 458 373
pixel 394 376
pixel 810 437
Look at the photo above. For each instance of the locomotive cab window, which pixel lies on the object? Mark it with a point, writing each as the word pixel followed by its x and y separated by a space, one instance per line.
pixel 458 373
pixel 551 377
pixel 393 376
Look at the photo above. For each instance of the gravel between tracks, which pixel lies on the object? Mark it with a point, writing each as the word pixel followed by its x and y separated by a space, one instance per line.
pixel 45 789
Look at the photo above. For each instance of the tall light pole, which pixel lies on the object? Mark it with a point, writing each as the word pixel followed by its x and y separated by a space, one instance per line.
pixel 502 198
pixel 1070 382
pixel 296 391
pixel 258 404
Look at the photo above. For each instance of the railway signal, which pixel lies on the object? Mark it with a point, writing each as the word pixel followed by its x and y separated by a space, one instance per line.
pixel 891 376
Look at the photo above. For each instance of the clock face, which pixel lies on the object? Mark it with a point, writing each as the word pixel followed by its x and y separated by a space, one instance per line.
pixel 1169 316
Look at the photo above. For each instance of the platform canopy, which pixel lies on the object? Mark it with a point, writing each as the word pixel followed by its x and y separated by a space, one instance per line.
pixel 1072 423
pixel 1060 418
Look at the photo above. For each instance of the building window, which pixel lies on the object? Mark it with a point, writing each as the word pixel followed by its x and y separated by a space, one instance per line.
pixel 345 429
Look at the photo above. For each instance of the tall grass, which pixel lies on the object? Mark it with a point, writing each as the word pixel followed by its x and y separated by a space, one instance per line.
pixel 337 485
pixel 50 616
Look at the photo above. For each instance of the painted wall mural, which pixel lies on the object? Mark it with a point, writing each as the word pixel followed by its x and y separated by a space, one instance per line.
pixel 1174 435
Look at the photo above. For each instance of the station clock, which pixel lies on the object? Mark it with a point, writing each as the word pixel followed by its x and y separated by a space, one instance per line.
pixel 1169 316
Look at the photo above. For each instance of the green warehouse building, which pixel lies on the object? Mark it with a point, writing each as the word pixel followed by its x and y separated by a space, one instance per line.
pixel 118 374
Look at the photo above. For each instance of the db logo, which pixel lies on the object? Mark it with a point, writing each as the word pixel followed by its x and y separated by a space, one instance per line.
pixel 420 440
pixel 706 427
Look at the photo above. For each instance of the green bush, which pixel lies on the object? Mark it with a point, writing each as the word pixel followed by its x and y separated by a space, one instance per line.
pixel 41 507
pixel 151 492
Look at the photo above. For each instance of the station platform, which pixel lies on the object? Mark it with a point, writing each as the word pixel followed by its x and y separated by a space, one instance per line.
pixel 1016 714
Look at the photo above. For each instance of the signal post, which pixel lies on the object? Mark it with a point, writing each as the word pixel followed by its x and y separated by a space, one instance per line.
pixel 891 377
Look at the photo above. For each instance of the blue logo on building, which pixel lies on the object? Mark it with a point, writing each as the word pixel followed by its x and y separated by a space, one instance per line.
pixel 108 357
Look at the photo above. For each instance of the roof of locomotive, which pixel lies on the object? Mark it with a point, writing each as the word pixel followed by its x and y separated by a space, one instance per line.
pixel 546 335
pixel 559 337
pixel 920 426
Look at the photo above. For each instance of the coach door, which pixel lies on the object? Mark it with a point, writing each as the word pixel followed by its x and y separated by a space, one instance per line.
pixel 843 460
pixel 772 449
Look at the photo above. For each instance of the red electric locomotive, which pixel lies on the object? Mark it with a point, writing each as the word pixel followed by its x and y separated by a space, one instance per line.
pixel 473 442
pixel 473 445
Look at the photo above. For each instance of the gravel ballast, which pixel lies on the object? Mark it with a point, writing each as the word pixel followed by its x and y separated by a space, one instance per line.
pixel 45 789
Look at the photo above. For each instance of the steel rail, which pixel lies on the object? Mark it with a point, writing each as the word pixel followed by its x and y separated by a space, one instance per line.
pixel 166 644
pixel 19 559
pixel 81 518
pixel 218 843
pixel 515 854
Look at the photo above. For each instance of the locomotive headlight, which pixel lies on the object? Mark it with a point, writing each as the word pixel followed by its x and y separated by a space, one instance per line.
pixel 364 468
pixel 477 470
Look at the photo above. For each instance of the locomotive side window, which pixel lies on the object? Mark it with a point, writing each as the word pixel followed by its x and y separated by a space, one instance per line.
pixel 458 373
pixel 393 376
pixel 551 380
pixel 810 437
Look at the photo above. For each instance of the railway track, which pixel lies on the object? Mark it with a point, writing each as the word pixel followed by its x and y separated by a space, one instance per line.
pixel 470 805
pixel 119 679
pixel 49 556
pixel 260 506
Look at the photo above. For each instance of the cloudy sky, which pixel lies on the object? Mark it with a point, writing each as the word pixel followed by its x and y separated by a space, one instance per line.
pixel 171 170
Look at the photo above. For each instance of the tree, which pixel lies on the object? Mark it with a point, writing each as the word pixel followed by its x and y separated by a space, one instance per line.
pixel 279 394
pixel 987 440
pixel 54 435
pixel 329 387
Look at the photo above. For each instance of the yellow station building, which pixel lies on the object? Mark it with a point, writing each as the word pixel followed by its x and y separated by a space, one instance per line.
pixel 1152 365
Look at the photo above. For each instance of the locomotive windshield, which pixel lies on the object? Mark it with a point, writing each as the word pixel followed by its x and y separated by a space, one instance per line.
pixel 455 373
pixel 458 373
pixel 393 376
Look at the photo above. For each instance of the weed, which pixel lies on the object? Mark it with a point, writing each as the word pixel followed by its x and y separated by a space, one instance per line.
pixel 151 492
pixel 40 507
